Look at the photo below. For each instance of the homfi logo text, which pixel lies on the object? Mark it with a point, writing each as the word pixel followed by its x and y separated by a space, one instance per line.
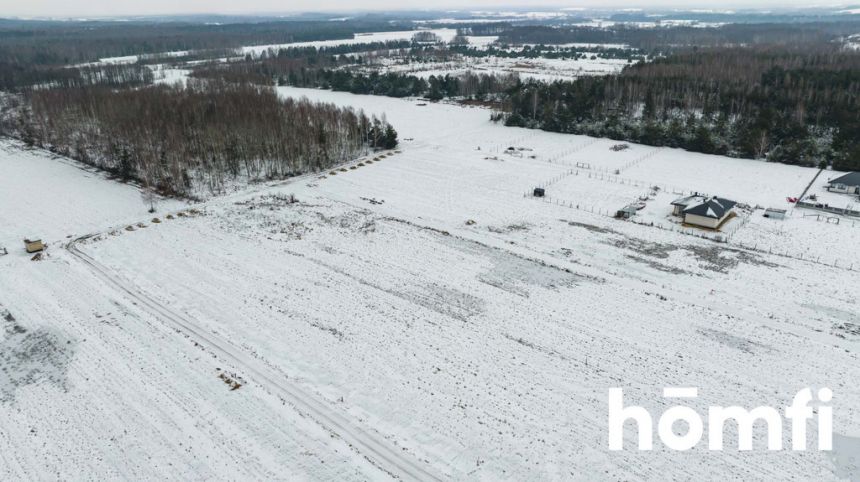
pixel 797 416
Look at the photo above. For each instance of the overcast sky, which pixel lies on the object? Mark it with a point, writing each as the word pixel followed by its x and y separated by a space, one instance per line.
pixel 91 8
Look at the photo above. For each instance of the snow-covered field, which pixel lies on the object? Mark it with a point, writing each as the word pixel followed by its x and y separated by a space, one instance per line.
pixel 419 308
pixel 444 34
pixel 49 197
pixel 743 180
pixel 548 70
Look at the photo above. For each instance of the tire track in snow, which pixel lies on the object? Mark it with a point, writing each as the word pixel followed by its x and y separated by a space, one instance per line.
pixel 370 445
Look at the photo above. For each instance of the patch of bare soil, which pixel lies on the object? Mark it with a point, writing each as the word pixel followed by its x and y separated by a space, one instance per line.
pixel 511 228
pixel 721 259
pixel 657 265
pixel 445 300
pixel 590 227
pixel 646 248
pixel 718 258
pixel 846 330
pixel 733 341
pixel 31 356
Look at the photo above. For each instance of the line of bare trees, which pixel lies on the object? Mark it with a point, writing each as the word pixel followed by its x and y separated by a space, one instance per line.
pixel 185 140
pixel 14 78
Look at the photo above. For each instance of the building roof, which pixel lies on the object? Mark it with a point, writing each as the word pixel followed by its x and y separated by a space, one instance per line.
pixel 714 207
pixel 850 179
pixel 687 200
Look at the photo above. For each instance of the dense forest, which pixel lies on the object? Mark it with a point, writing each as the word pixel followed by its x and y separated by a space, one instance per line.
pixel 64 43
pixel 351 68
pixel 786 105
pixel 288 65
pixel 323 74
pixel 668 39
pixel 181 140
pixel 37 53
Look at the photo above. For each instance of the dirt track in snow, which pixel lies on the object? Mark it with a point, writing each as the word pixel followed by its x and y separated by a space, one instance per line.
pixel 368 443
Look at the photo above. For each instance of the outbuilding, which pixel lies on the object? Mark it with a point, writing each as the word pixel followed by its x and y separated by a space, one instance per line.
pixel 539 192
pixel 626 212
pixel 774 213
pixel 34 245
pixel 847 184
pixel 680 204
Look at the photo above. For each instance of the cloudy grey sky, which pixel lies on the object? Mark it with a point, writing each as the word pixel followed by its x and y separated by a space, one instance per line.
pixel 91 8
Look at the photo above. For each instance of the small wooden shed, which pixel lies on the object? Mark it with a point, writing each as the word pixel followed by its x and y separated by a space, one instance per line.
pixel 774 213
pixel 539 192
pixel 34 245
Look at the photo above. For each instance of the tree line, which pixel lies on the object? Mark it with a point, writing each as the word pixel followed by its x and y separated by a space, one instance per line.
pixel 668 39
pixel 16 78
pixel 549 52
pixel 786 102
pixel 796 106
pixel 335 69
pixel 36 53
pixel 185 140
pixel 66 43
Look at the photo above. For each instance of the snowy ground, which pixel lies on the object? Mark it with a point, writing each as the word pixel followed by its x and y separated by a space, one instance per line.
pixel 162 74
pixel 539 69
pixel 744 180
pixel 38 199
pixel 444 34
pixel 423 300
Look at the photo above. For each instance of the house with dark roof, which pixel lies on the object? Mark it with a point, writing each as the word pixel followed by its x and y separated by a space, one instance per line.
pixel 847 184
pixel 678 205
pixel 707 212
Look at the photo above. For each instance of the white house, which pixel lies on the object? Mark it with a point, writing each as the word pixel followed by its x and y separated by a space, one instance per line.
pixel 707 212
pixel 847 184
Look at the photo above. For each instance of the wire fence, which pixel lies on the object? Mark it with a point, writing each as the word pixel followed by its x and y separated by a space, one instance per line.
pixel 816 259
pixel 589 208
pixel 502 147
pixel 833 220
pixel 725 237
